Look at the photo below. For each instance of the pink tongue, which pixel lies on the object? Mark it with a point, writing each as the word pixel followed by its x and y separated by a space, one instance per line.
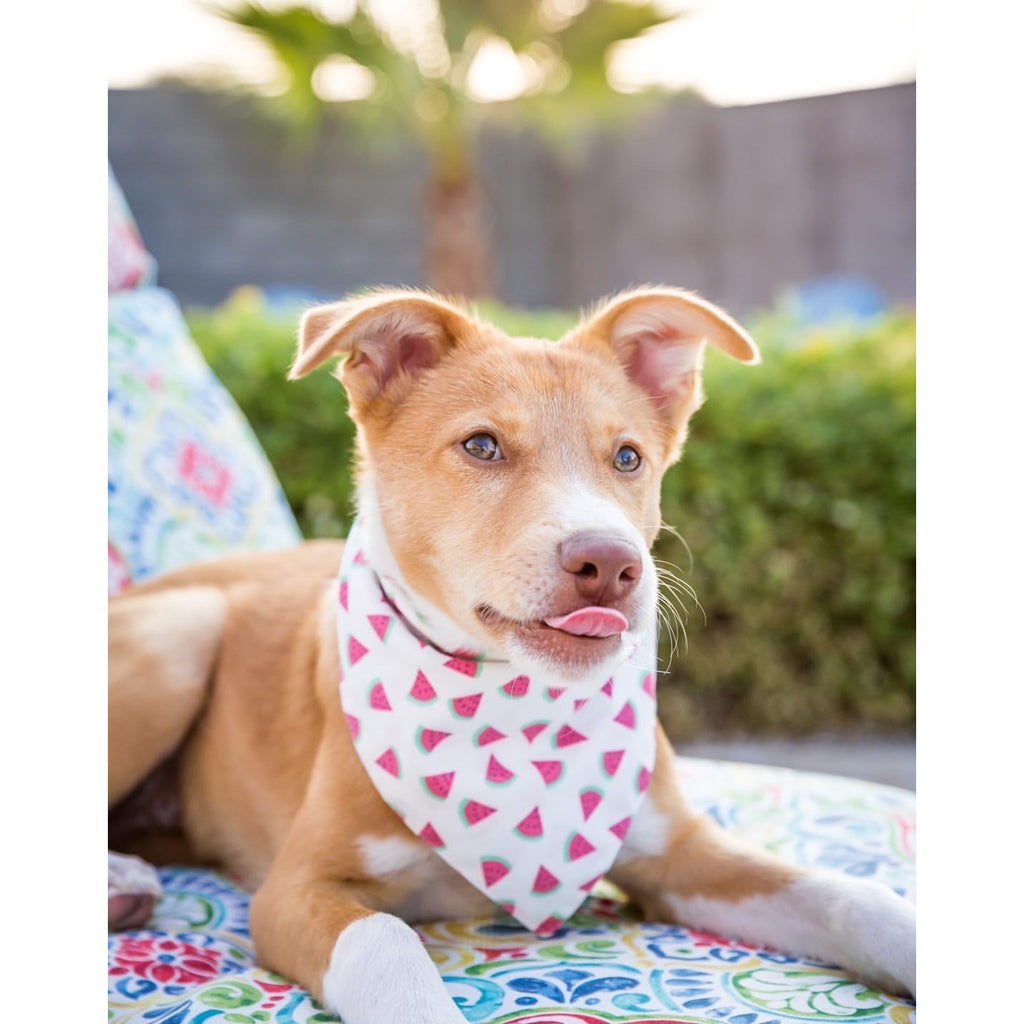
pixel 591 621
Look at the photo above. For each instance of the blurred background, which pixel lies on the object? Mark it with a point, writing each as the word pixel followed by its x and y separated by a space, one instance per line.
pixel 534 156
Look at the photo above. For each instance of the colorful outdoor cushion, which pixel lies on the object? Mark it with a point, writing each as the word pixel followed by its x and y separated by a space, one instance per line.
pixel 195 963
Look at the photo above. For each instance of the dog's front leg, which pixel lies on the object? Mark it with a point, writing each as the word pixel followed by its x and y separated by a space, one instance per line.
pixel 681 867
pixel 367 966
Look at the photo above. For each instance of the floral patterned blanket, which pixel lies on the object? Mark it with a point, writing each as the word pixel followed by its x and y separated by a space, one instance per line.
pixel 195 961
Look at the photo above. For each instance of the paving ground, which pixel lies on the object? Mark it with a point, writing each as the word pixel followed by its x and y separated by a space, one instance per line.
pixel 890 760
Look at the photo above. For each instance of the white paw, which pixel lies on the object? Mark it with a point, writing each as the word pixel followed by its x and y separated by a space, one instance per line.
pixel 380 973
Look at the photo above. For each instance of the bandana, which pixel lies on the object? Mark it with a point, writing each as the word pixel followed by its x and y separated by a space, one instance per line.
pixel 526 789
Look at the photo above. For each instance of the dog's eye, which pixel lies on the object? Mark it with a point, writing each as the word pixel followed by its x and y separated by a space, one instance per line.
pixel 627 459
pixel 483 447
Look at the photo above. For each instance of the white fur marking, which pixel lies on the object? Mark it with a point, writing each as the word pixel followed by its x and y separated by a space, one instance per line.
pixel 860 925
pixel 380 973
pixel 389 855
pixel 647 835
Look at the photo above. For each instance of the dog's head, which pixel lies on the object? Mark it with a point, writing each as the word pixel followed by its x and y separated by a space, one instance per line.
pixel 512 483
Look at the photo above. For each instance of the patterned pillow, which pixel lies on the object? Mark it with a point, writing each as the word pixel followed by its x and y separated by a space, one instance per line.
pixel 128 262
pixel 187 479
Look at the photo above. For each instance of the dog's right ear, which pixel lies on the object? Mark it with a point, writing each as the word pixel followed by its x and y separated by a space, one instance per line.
pixel 387 336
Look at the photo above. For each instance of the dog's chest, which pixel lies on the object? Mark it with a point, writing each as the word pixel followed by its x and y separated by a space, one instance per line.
pixel 430 888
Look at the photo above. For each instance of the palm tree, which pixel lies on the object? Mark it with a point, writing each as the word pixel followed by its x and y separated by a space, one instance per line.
pixel 417 75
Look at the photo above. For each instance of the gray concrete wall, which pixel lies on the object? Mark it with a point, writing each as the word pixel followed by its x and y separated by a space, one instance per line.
pixel 735 202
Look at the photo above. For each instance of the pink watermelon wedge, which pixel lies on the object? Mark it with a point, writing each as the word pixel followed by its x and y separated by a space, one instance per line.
pixel 488 734
pixel 378 698
pixel 343 594
pixel 429 738
pixel 380 624
pixel 518 687
pixel 360 558
pixel 389 762
pixel 429 835
pixel 533 729
pixel 567 735
pixel 608 687
pixel 422 690
pixel 554 692
pixel 494 869
pixel 439 785
pixel 474 812
pixel 465 707
pixel 550 771
pixel 547 928
pixel 355 650
pixel 545 881
pixel 353 725
pixel 578 846
pixel 620 828
pixel 643 779
pixel 610 761
pixel 627 716
pixel 464 666
pixel 497 772
pixel 580 702
pixel 531 827
pixel 587 886
pixel 589 799
pixel 648 684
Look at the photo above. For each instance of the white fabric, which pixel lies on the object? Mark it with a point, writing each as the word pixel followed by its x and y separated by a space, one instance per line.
pixel 527 790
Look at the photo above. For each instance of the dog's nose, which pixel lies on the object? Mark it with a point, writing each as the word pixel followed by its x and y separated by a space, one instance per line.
pixel 603 568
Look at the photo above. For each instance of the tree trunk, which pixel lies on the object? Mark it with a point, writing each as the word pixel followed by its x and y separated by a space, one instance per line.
pixel 457 253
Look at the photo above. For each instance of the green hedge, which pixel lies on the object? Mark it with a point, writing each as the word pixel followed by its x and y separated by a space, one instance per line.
pixel 795 496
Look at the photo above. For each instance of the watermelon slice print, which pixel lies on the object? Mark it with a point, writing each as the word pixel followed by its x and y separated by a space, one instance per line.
pixel 464 666
pixel 643 779
pixel 554 692
pixel 429 738
pixel 343 594
pixel 610 761
pixel 578 846
pixel 465 707
pixel 355 650
pixel 389 762
pixel 589 799
pixel 488 734
pixel 439 785
pixel 627 716
pixel 473 812
pixel 567 735
pixel 587 886
pixel 550 771
pixel 620 828
pixel 353 725
pixel 518 687
pixel 429 835
pixel 608 687
pixel 548 927
pixel 378 698
pixel 531 826
pixel 494 869
pixel 648 685
pixel 545 881
pixel 532 730
pixel 580 702
pixel 497 773
pixel 380 624
pixel 422 690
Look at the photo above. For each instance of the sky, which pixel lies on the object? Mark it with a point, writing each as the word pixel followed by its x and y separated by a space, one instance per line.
pixel 733 51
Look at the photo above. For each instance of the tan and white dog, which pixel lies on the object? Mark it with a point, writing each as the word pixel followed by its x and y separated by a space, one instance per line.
pixel 510 488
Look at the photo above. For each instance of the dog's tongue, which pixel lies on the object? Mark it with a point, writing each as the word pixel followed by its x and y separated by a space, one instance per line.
pixel 592 621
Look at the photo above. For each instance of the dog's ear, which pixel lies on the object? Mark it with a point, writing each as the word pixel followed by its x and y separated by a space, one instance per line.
pixel 658 336
pixel 387 336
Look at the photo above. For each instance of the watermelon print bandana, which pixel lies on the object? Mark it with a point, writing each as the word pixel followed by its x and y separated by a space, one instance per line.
pixel 527 790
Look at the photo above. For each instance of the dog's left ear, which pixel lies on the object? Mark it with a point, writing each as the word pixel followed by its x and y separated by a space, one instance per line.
pixel 658 335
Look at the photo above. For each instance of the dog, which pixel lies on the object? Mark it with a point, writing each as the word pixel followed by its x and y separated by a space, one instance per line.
pixel 491 630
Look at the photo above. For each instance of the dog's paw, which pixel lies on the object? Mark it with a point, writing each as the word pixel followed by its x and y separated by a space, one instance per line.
pixel 133 889
pixel 380 973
